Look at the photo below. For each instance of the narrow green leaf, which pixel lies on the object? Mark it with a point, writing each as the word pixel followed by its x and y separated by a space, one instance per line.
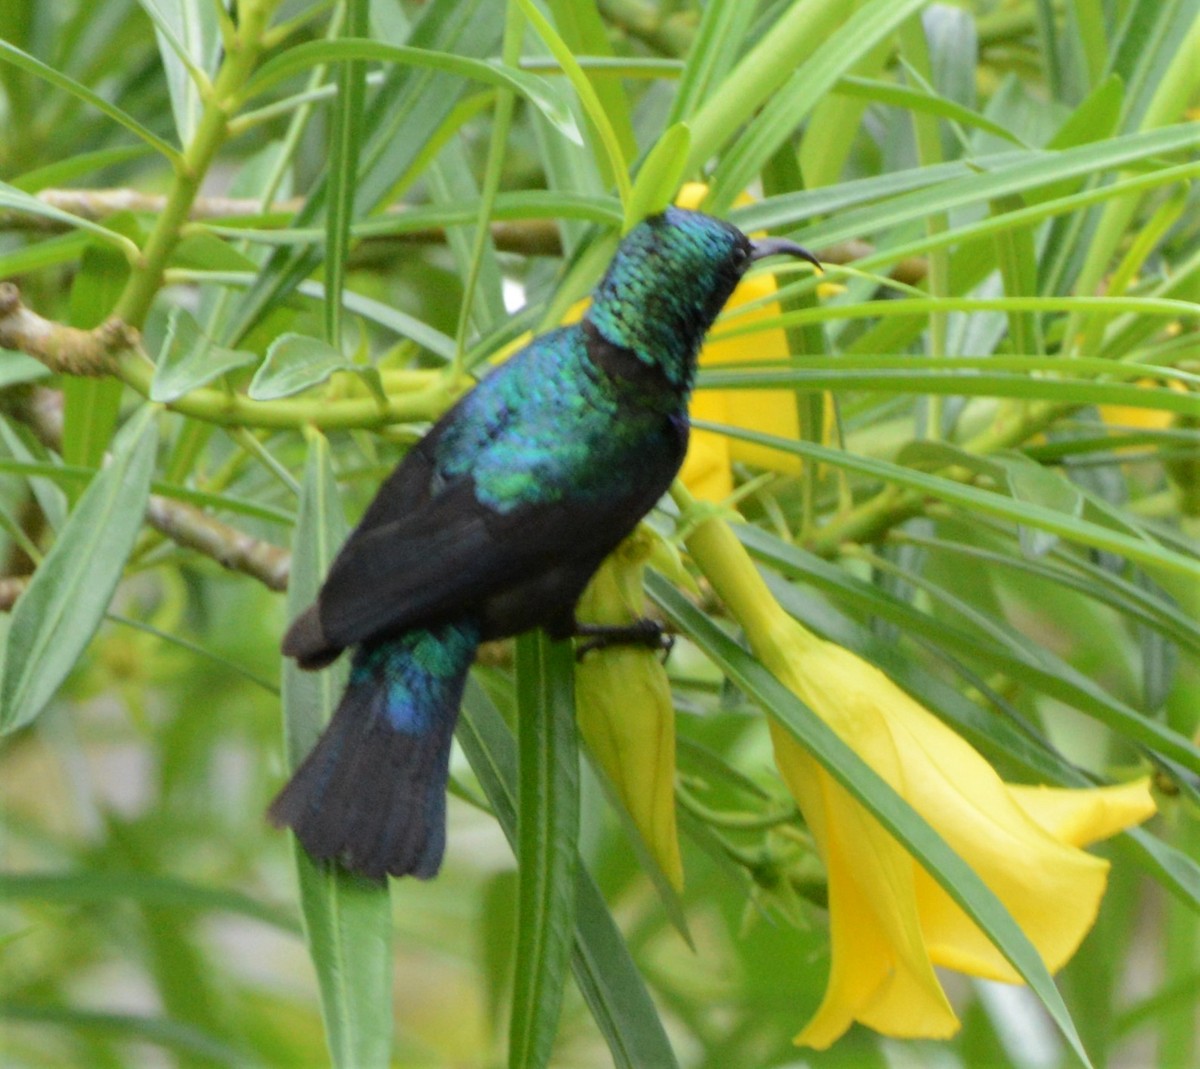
pixel 1073 572
pixel 660 176
pixel 537 90
pixel 608 147
pixel 788 106
pixel 11 54
pixel 404 114
pixel 585 34
pixel 547 837
pixel 37 460
pixel 921 100
pixel 68 171
pixel 1011 173
pixel 55 618
pixel 347 920
pixel 190 359
pixel 183 1039
pixel 1028 481
pixel 61 249
pixel 607 977
pixel 787 43
pixel 1178 872
pixel 19 200
pixel 93 404
pixel 723 26
pixel 892 811
pixel 983 501
pixel 92 886
pixel 18 367
pixel 188 39
pixel 343 169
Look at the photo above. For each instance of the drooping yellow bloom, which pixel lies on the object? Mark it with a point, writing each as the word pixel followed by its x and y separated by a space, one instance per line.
pixel 890 922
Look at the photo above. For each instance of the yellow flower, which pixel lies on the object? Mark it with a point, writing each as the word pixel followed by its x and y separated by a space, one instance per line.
pixel 1143 419
pixel 624 707
pixel 890 922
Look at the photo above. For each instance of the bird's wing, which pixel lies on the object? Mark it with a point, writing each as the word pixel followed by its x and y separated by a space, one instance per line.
pixel 453 553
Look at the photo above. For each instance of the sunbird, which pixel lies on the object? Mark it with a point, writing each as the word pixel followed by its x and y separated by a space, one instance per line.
pixel 492 525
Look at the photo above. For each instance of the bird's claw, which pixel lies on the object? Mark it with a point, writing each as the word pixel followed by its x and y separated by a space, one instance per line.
pixel 644 632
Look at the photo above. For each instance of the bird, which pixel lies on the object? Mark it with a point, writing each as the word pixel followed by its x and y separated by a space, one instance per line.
pixel 492 525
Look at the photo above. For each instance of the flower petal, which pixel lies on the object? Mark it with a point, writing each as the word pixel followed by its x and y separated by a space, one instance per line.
pixel 1080 817
pixel 880 972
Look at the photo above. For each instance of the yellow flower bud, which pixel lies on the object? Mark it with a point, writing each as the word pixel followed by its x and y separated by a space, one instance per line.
pixel 624 708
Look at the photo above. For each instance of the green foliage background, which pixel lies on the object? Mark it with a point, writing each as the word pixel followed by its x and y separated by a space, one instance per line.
pixel 1016 554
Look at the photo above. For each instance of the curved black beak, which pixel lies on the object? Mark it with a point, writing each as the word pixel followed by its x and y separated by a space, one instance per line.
pixel 764 247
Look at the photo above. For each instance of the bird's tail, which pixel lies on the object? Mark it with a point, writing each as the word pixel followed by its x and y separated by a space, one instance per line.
pixel 372 793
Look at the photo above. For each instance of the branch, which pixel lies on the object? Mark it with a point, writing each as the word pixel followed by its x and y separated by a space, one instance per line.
pixel 184 524
pixel 531 237
pixel 528 237
pixel 11 588
pixel 95 205
pixel 59 347
pixel 189 526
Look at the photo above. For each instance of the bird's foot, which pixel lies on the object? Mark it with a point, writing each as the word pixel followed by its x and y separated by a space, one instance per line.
pixel 643 632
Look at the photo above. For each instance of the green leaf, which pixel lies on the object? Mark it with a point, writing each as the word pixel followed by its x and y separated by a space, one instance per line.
pixel 20 201
pixel 343 170
pixel 607 145
pixel 1031 482
pixel 92 886
pixel 93 404
pixel 190 359
pixel 65 601
pixel 792 101
pixel 547 838
pixel 18 367
pixel 64 248
pixel 9 53
pixel 347 920
pixel 660 176
pixel 1033 665
pixel 68 171
pixel 404 113
pixel 183 1039
pixel 537 90
pixel 723 26
pixel 188 39
pixel 584 32
pixel 295 362
pixel 971 498
pixel 892 811
pixel 1011 173
pixel 606 975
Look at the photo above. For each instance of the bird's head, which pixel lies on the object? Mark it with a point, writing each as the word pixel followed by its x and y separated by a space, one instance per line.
pixel 668 281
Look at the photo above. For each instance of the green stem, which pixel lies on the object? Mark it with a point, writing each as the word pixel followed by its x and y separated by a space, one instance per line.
pixel 147 276
pixel 1015 424
pixel 238 410
pixel 514 27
